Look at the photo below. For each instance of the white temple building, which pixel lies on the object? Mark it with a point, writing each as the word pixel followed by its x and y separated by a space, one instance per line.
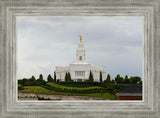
pixel 80 68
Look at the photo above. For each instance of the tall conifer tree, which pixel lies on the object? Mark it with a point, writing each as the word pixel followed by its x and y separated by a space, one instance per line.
pixel 91 77
pixel 69 76
pixel 66 77
pixel 108 80
pixel 100 77
pixel 55 76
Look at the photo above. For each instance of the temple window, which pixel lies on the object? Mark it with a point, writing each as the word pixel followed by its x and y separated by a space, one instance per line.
pixel 79 73
pixel 80 57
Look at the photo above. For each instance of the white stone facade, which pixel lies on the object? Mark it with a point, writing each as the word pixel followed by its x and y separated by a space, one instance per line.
pixel 80 69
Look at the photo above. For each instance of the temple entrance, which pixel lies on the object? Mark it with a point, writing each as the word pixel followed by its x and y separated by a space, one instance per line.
pixel 79 80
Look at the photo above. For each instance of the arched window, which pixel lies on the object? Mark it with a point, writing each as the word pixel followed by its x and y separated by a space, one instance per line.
pixel 80 57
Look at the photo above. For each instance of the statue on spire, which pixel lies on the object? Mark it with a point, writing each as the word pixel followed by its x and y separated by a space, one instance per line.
pixel 80 39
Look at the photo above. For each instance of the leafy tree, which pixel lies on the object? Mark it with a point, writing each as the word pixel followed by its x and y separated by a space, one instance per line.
pixel 58 81
pixel 33 83
pixel 134 80
pixel 126 80
pixel 91 77
pixel 20 81
pixel 140 83
pixel 108 79
pixel 30 82
pixel 100 77
pixel 40 79
pixel 137 79
pixel 113 81
pixel 49 78
pixel 119 79
pixel 54 76
pixel 32 79
pixel 25 80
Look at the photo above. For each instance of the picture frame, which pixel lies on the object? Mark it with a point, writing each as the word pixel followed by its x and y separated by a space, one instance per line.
pixel 11 107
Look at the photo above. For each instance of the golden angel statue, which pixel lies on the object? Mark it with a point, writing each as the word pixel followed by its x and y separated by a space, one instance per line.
pixel 80 39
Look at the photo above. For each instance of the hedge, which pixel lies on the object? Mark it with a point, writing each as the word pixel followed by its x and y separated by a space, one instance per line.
pixel 60 88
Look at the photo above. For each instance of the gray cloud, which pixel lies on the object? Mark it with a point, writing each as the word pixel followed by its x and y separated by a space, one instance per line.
pixel 45 42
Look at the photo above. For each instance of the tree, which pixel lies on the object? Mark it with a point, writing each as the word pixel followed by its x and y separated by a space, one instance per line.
pixel 49 78
pixel 108 79
pixel 119 79
pixel 30 82
pixel 20 81
pixel 25 80
pixel 134 80
pixel 54 76
pixel 113 81
pixel 137 79
pixel 40 79
pixel 66 77
pixel 91 77
pixel 69 76
pixel 32 79
pixel 58 81
pixel 126 80
pixel 100 77
pixel 139 83
pixel 34 83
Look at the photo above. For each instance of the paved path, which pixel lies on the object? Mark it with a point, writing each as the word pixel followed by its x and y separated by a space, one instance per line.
pixel 33 96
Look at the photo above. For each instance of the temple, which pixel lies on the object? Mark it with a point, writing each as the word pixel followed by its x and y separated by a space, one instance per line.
pixel 80 68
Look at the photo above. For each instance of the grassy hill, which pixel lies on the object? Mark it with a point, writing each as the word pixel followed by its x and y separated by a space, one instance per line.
pixel 81 89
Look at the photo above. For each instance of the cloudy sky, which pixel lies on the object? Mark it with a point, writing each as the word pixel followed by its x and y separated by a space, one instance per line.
pixel 46 42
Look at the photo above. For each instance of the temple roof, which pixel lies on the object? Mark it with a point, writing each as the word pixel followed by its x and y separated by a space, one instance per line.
pixel 130 89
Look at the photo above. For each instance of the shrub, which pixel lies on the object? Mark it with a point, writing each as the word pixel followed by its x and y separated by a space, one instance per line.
pixel 20 88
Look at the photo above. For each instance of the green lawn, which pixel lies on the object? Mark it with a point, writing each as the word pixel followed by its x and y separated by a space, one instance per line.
pixel 36 89
pixel 42 90
pixel 19 85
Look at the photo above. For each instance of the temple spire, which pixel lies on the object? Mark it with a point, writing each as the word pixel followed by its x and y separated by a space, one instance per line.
pixel 80 39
